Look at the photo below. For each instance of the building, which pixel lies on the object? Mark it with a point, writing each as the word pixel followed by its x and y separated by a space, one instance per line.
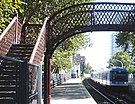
pixel 79 65
pixel 114 47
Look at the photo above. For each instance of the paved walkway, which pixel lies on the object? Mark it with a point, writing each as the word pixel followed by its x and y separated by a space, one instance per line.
pixel 71 92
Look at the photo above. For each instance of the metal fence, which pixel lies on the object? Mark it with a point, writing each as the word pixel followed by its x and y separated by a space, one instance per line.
pixel 26 83
pixel 28 80
pixel 57 79
pixel 33 83
pixel 131 78
pixel 11 71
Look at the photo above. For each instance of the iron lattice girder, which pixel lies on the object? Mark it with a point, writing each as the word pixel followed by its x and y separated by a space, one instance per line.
pixel 90 17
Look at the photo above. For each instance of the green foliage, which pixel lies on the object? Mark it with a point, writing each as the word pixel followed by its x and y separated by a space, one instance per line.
pixel 88 69
pixel 74 43
pixel 126 39
pixel 62 55
pixel 31 11
pixel 125 58
pixel 61 60
pixel 36 10
pixel 8 9
pixel 122 40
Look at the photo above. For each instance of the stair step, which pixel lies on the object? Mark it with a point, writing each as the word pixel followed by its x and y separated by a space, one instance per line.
pixel 7 77
pixel 20 52
pixel 8 72
pixel 7 63
pixel 7 66
pixel 21 48
pixel 7 101
pixel 7 82
pixel 14 48
pixel 7 88
pixel 20 55
pixel 22 45
pixel 7 93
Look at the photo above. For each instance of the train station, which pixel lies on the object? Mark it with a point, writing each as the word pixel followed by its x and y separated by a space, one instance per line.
pixel 38 63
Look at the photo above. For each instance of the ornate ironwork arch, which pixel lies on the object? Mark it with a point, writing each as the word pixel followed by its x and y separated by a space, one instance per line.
pixel 89 17
pixel 84 18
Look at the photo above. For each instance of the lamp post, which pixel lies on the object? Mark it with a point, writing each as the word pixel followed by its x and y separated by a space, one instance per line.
pixel 119 61
pixel 111 64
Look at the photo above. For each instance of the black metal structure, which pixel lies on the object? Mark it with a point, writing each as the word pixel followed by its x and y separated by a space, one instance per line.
pixel 13 81
pixel 89 17
pixel 18 81
pixel 86 17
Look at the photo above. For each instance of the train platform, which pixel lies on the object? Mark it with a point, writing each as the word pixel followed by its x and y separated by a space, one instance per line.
pixel 71 92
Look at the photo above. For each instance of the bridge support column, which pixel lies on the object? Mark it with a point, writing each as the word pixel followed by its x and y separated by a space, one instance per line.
pixel 47 87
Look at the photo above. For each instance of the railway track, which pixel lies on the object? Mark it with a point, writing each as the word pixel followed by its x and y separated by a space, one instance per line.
pixel 96 94
pixel 109 96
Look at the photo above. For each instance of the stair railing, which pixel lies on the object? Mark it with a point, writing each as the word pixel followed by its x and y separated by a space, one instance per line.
pixel 21 88
pixel 11 35
pixel 33 83
pixel 27 86
pixel 39 49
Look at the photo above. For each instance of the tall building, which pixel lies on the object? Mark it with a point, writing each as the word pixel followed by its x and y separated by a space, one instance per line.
pixel 114 47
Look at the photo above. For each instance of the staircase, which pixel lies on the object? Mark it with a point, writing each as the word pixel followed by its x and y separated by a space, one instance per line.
pixel 21 51
pixel 9 72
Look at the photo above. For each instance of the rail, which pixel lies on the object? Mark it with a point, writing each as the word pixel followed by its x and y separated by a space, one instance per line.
pixel 11 35
pixel 33 75
pixel 109 100
pixel 57 79
pixel 39 49
pixel 35 94
pixel 3 57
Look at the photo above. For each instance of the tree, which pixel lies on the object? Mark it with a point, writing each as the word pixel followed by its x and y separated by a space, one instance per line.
pixel 8 9
pixel 123 40
pixel 36 10
pixel 88 69
pixel 126 39
pixel 63 53
pixel 31 11
pixel 125 58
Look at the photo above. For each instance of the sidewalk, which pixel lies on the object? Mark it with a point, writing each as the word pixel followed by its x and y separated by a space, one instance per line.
pixel 71 92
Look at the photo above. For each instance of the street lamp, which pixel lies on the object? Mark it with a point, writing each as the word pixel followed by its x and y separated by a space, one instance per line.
pixel 119 61
pixel 111 64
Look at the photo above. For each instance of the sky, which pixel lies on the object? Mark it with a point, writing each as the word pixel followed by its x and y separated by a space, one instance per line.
pixel 121 1
pixel 98 55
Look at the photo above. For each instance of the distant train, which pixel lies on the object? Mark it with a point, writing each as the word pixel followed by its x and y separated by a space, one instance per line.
pixel 111 77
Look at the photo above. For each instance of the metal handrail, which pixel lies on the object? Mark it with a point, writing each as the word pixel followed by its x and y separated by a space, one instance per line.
pixel 10 58
pixel 3 57
pixel 33 95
